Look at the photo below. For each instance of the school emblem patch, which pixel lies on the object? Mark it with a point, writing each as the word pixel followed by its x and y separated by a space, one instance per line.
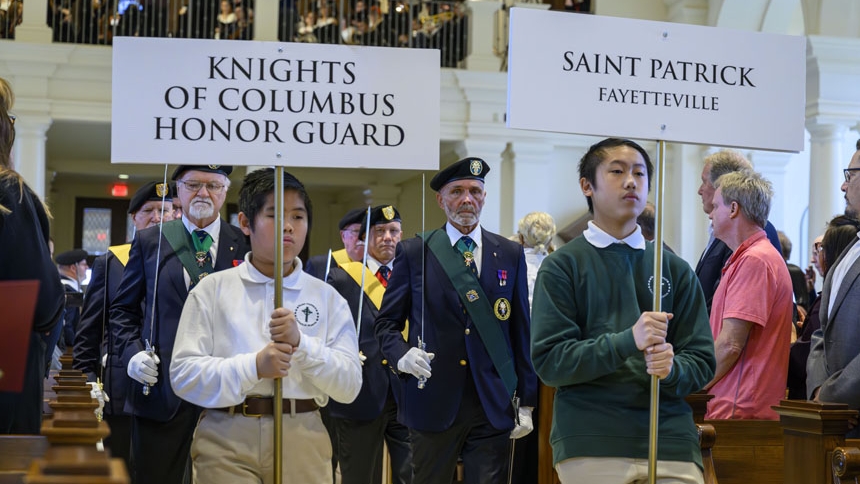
pixel 665 288
pixel 472 295
pixel 502 308
pixel 307 314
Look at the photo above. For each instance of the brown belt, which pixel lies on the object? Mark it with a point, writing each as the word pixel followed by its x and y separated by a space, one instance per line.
pixel 259 406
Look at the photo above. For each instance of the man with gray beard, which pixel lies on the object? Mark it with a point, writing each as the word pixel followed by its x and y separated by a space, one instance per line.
pixel 468 386
pixel 175 256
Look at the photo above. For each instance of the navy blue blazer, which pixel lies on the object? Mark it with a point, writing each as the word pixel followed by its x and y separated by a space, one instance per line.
pixel 450 333
pixel 376 375
pixel 93 338
pixel 131 311
pixel 316 265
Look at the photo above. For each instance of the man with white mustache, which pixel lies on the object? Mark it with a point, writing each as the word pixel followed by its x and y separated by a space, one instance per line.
pixel 175 255
pixel 464 291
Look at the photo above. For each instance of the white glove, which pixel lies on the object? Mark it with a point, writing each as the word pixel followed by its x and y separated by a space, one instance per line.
pixel 143 367
pixel 525 426
pixel 416 362
pixel 361 357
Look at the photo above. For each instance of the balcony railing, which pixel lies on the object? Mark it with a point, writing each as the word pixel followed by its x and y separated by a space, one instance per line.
pixel 442 25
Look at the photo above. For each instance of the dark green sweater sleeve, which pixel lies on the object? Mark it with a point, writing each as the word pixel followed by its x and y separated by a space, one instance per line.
pixel 560 353
pixel 690 335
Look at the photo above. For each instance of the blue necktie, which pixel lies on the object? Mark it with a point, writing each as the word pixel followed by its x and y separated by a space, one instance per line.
pixel 466 247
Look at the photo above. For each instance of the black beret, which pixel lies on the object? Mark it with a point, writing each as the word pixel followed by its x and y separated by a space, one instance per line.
pixel 222 169
pixel 468 168
pixel 150 191
pixel 381 214
pixel 70 257
pixel 354 216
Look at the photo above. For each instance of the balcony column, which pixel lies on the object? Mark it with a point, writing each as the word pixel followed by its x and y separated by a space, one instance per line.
pixel 33 28
pixel 28 153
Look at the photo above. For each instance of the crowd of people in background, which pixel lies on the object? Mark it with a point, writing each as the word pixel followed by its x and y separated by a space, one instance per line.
pixel 439 25
pixel 98 21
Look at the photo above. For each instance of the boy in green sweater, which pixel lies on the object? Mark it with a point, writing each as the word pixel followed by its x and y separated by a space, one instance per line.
pixel 596 340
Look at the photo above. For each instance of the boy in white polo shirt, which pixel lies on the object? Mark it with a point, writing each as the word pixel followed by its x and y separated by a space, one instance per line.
pixel 231 342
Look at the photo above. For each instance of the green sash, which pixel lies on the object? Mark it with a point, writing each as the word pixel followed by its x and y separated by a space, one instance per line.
pixel 479 308
pixel 180 240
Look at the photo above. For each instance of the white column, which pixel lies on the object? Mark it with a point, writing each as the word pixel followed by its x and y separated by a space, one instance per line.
pixel 772 165
pixel 827 160
pixel 495 182
pixel 685 225
pixel 33 28
pixel 483 30
pixel 266 21
pixel 530 175
pixel 28 154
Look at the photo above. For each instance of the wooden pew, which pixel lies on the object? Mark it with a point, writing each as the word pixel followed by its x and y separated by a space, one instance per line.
pixel 738 451
pixel 797 449
pixel 546 472
pixel 812 431
pixel 845 463
pixel 16 453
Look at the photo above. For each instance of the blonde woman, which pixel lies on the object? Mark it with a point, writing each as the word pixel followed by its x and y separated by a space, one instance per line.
pixel 535 232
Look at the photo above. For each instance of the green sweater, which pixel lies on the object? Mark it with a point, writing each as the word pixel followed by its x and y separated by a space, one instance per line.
pixel 586 301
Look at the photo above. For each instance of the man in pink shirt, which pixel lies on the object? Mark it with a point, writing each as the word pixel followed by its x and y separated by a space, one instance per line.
pixel 752 308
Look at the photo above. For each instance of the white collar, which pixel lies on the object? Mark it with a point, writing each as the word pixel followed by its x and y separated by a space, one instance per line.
pixel 600 239
pixel 454 234
pixel 373 265
pixel 213 229
pixel 251 273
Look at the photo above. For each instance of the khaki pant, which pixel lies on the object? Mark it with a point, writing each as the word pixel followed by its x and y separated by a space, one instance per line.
pixel 619 470
pixel 234 449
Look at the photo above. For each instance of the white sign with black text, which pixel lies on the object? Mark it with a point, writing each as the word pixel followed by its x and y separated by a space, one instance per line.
pixel 607 76
pixel 273 103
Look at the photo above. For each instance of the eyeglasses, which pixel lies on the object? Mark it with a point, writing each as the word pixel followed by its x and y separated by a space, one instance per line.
pixel 847 173
pixel 195 186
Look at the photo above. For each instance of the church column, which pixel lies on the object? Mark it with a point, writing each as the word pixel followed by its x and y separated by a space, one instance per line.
pixel 685 225
pixel 28 154
pixel 827 159
pixel 482 32
pixel 497 183
pixel 772 165
pixel 266 21
pixel 529 176
pixel 33 28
